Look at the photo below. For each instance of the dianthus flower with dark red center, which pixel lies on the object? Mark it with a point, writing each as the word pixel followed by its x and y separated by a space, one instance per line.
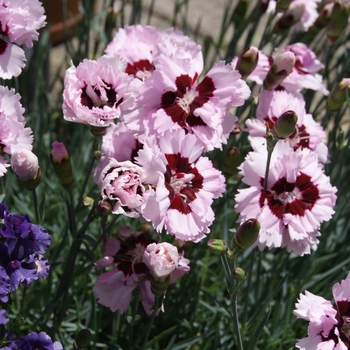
pixel 173 99
pixel 297 199
pixel 185 185
pixel 98 92
pixel 328 328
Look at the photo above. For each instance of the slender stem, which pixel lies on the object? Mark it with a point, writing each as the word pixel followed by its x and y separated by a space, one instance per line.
pixel 150 322
pixel 270 144
pixel 36 206
pixel 250 273
pixel 236 322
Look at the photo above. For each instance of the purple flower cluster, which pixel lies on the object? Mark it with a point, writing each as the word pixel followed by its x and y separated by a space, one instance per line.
pixel 22 244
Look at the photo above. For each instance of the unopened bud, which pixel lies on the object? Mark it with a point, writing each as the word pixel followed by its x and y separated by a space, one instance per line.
pixel 338 21
pixel 246 234
pixel 83 338
pixel 281 67
pixel 218 246
pixel 285 125
pixel 104 208
pixel 238 273
pixel 322 20
pixel 236 130
pixel 159 287
pixel 247 61
pixel 232 159
pixel 25 165
pixel 290 17
pixel 337 96
pixel 61 163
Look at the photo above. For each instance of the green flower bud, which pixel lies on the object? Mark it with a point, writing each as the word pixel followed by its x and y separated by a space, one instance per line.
pixel 83 338
pixel 159 287
pixel 104 208
pixel 218 246
pixel 337 96
pixel 338 21
pixel 246 234
pixel 61 163
pixel 290 17
pixel 238 273
pixel 322 20
pixel 285 125
pixel 247 61
pixel 232 159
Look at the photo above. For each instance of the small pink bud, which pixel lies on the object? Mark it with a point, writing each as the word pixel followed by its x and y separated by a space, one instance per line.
pixel 238 273
pixel 282 66
pixel 61 163
pixel 161 259
pixel 232 159
pixel 104 208
pixel 25 164
pixel 290 17
pixel 247 61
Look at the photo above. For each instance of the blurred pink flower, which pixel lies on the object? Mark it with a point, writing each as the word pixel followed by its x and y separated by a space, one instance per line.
pixel 185 182
pixel 328 328
pixel 14 136
pixel 98 92
pixel 20 21
pixel 298 197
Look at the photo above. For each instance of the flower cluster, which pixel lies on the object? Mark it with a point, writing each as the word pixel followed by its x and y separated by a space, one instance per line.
pixel 293 196
pixel 328 327
pixel 22 244
pixel 137 260
pixel 20 21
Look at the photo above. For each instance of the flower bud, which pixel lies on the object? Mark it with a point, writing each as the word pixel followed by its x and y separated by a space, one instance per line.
pixel 161 259
pixel 285 125
pixel 83 338
pixel 61 163
pixel 322 20
pixel 246 234
pixel 238 273
pixel 282 66
pixel 290 17
pixel 104 208
pixel 232 159
pixel 218 246
pixel 337 96
pixel 25 165
pixel 247 61
pixel 338 21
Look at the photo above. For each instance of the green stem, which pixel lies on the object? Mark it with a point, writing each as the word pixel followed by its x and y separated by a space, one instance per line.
pixel 36 206
pixel 270 144
pixel 158 300
pixel 236 322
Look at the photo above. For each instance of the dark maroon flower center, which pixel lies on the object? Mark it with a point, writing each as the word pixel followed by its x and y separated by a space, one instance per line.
pixel 290 198
pixel 183 181
pixel 180 105
pixel 88 100
pixel 140 68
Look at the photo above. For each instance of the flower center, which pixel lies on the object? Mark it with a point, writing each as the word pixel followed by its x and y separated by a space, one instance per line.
pixel 185 101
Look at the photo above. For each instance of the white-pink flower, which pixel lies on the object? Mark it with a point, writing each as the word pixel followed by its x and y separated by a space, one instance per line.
pixel 297 199
pixel 121 183
pixel 14 136
pixel 161 259
pixel 20 21
pixel 172 99
pixel 98 92
pixel 185 185
pixel 25 164
pixel 328 328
